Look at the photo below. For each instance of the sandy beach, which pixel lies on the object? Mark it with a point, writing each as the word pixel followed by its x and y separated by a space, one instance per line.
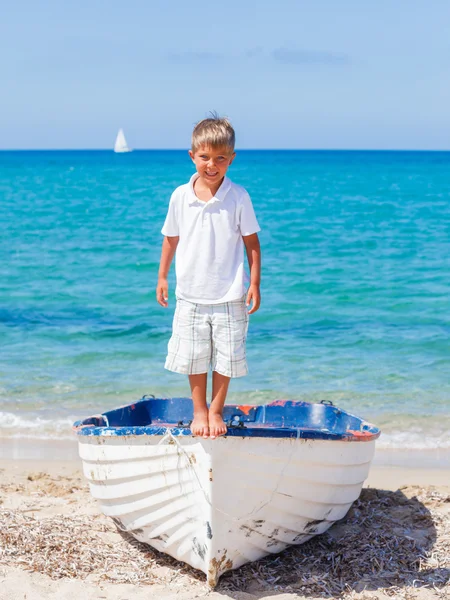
pixel 55 544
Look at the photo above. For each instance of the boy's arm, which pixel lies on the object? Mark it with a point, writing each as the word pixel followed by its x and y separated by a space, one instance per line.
pixel 169 246
pixel 253 250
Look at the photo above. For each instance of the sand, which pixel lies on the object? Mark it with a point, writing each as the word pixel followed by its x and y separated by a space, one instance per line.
pixel 54 544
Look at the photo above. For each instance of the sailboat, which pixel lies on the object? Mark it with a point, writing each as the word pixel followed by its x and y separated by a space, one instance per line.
pixel 121 143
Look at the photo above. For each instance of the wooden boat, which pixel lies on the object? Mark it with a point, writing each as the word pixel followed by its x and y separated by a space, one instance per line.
pixel 284 472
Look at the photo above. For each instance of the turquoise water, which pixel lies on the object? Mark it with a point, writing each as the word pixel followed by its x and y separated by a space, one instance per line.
pixel 355 293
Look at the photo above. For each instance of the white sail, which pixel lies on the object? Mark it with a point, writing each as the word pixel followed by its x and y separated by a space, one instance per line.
pixel 121 143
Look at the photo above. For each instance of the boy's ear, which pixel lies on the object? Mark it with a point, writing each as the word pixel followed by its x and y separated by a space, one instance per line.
pixel 191 154
pixel 233 156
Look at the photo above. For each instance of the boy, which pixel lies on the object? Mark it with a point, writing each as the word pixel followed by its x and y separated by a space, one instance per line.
pixel 209 222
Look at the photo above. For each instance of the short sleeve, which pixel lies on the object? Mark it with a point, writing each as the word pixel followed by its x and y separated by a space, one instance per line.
pixel 248 223
pixel 170 227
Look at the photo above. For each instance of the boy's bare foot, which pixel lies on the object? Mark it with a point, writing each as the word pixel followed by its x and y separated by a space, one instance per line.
pixel 200 425
pixel 216 425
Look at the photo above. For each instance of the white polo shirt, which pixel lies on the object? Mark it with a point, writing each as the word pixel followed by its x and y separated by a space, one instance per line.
pixel 209 262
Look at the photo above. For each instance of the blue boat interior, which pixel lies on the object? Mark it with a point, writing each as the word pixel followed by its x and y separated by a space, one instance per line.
pixel 282 418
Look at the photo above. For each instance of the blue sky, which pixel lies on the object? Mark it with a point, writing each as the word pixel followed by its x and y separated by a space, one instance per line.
pixel 289 73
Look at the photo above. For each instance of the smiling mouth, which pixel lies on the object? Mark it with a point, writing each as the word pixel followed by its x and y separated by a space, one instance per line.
pixel 212 174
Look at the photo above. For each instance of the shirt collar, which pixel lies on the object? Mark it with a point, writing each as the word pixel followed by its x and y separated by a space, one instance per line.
pixel 219 196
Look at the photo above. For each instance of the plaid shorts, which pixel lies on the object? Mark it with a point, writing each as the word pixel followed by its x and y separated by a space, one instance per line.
pixel 208 336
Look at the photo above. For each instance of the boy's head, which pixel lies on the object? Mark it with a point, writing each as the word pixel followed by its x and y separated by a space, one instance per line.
pixel 215 132
pixel 212 148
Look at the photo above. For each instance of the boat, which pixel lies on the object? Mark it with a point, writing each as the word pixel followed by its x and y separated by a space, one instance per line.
pixel 121 143
pixel 283 473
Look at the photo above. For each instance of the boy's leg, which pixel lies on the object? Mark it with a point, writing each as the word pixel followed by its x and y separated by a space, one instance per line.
pixel 219 394
pixel 189 352
pixel 199 425
pixel 229 331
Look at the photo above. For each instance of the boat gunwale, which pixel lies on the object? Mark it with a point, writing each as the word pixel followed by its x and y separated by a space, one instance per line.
pixel 246 429
pixel 248 432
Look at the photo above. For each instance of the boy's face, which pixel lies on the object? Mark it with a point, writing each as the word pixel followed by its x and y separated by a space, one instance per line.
pixel 212 163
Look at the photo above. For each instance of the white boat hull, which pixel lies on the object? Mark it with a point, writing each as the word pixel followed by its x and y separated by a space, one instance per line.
pixel 218 504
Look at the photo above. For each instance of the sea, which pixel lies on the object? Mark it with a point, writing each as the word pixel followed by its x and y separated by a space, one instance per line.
pixel 355 286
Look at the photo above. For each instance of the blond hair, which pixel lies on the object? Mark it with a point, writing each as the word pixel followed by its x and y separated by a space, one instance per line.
pixel 214 131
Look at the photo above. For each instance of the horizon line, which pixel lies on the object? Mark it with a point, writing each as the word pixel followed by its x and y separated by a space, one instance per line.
pixel 237 150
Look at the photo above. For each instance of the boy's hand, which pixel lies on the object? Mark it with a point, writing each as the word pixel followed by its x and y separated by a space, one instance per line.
pixel 254 295
pixel 162 292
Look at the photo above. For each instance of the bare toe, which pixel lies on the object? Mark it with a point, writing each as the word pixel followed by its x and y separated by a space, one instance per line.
pixel 200 426
pixel 217 426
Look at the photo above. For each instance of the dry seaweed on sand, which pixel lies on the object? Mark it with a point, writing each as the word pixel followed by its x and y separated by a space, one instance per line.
pixel 389 541
pixel 394 542
pixel 78 547
pixel 71 547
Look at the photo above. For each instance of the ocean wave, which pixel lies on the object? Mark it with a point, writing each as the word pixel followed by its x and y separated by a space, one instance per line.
pixel 17 426
pixel 407 440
